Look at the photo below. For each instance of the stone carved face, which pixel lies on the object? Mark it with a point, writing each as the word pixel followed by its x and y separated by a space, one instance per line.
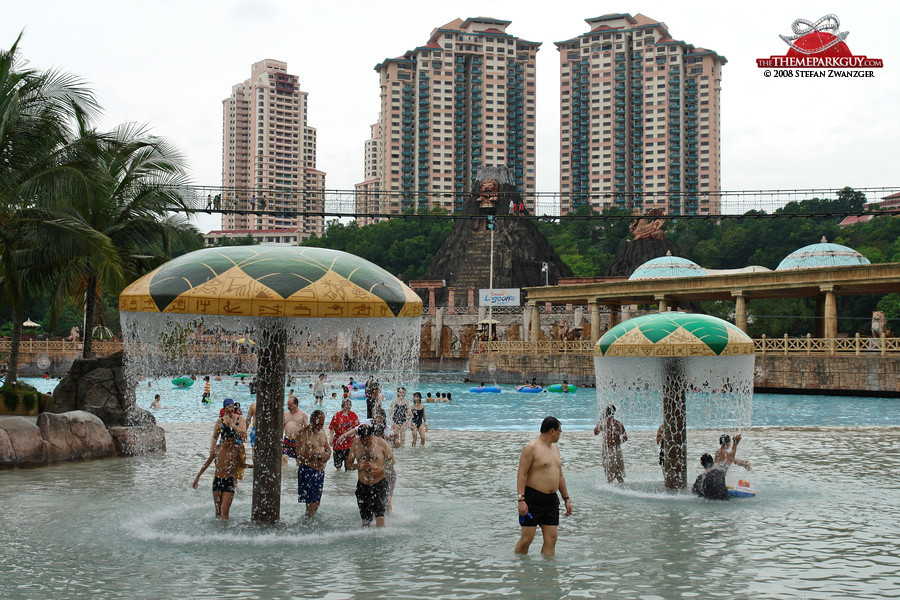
pixel 489 191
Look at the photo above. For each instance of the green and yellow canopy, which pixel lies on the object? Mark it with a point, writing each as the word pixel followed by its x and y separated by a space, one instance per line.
pixel 279 281
pixel 674 334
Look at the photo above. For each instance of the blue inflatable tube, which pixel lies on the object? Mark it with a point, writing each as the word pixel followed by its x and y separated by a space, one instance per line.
pixel 488 389
pixel 529 390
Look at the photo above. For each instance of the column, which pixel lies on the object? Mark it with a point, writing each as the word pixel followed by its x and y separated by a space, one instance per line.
pixel 431 301
pixel 471 300
pixel 451 301
pixel 614 314
pixel 740 310
pixel 663 303
pixel 535 322
pixel 595 320
pixel 526 322
pixel 830 312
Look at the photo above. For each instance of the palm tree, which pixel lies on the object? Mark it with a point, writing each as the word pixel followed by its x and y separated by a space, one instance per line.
pixel 133 192
pixel 36 108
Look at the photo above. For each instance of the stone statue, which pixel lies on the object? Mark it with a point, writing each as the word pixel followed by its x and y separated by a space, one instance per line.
pixel 879 325
pixel 73 335
pixel 644 229
pixel 488 197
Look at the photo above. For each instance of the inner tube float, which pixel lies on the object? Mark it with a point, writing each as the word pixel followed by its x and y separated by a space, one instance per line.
pixel 240 375
pixel 558 387
pixel 359 385
pixel 527 389
pixel 183 382
pixel 488 389
pixel 742 490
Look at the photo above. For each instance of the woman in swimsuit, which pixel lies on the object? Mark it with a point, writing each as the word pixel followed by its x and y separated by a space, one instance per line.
pixel 400 416
pixel 418 424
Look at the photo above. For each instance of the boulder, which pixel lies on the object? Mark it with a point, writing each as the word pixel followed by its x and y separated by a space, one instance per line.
pixel 74 435
pixel 140 439
pixel 20 442
pixel 98 386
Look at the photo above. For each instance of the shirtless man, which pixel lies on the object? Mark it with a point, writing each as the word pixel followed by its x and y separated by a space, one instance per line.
pixel 313 453
pixel 294 420
pixel 228 463
pixel 613 437
pixel 319 389
pixel 540 476
pixel 370 455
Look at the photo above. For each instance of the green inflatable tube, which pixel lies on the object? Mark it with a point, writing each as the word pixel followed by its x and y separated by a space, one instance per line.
pixel 558 387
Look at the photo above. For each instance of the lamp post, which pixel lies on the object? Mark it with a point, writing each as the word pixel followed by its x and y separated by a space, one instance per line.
pixel 490 225
pixel 545 269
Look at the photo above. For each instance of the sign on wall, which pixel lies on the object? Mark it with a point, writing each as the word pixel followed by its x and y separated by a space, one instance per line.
pixel 506 297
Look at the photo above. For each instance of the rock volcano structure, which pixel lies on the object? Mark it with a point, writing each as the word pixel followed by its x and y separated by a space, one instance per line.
pixel 520 249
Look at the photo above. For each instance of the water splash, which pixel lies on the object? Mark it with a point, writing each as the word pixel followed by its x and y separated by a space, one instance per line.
pixel 161 345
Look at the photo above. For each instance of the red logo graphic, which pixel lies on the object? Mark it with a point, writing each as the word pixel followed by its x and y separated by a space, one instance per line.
pixel 818 45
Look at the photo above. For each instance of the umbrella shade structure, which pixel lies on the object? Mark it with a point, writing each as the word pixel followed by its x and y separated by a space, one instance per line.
pixel 674 334
pixel 30 323
pixel 676 367
pixel 274 298
pixel 289 281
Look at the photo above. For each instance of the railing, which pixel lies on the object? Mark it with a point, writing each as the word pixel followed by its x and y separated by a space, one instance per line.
pixel 786 346
pixel 542 347
pixel 100 347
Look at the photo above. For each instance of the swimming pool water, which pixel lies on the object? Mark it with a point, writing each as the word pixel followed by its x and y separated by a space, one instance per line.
pixel 508 410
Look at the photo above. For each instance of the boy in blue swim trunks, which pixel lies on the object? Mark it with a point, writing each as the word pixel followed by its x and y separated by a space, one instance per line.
pixel 313 452
pixel 228 462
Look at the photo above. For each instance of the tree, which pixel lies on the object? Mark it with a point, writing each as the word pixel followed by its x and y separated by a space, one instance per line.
pixel 134 183
pixel 35 111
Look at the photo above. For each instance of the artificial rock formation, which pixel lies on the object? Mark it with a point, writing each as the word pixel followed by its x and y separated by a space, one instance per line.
pixel 98 386
pixel 633 253
pixel 520 249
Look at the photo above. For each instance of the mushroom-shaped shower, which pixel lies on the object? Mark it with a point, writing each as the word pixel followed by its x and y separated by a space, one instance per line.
pixel 300 305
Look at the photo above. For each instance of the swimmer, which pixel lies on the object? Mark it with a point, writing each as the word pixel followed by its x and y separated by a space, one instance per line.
pixel 539 478
pixel 313 453
pixel 723 451
pixel 370 456
pixel 228 463
pixel 157 403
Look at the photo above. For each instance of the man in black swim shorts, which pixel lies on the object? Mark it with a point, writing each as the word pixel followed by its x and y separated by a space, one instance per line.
pixel 372 456
pixel 538 480
pixel 543 508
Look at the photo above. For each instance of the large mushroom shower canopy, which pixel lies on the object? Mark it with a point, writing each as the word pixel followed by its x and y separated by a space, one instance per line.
pixel 281 281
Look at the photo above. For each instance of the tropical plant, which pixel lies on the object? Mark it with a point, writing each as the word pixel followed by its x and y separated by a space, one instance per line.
pixel 133 200
pixel 36 108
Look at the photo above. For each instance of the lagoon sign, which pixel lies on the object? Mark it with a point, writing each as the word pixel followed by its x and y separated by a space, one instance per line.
pixel 507 297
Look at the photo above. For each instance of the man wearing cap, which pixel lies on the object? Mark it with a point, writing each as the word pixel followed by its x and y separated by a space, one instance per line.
pixel 371 456
pixel 313 453
pixel 229 423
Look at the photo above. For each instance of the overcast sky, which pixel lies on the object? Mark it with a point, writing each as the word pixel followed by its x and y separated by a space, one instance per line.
pixel 170 64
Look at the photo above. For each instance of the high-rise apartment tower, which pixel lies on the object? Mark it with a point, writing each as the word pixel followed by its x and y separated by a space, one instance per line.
pixel 465 99
pixel 269 159
pixel 639 119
